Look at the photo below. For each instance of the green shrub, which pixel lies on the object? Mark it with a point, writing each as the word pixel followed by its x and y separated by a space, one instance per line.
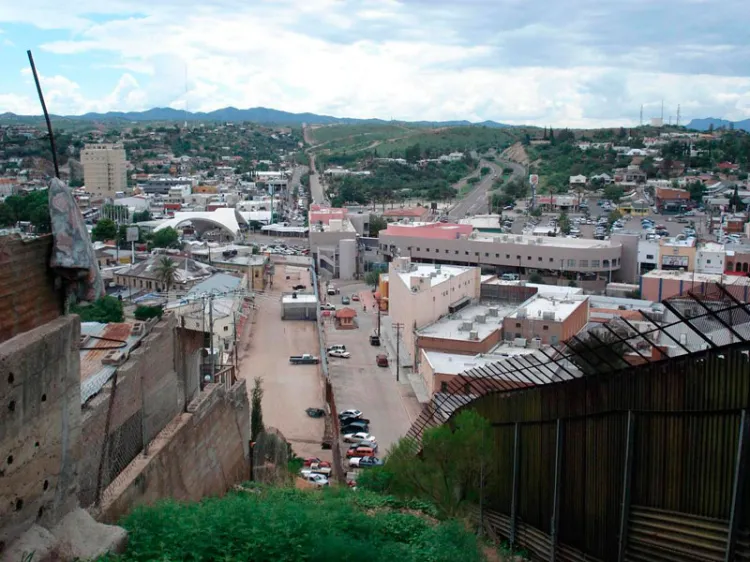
pixel 106 309
pixel 143 313
pixel 284 524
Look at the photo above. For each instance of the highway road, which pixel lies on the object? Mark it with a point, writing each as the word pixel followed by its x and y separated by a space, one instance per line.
pixel 475 202
pixel 316 188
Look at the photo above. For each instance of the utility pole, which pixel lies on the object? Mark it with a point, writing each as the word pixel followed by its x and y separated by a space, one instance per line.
pixel 212 363
pixel 377 303
pixel 398 327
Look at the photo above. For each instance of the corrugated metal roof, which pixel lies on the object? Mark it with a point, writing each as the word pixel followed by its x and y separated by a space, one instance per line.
pixel 94 375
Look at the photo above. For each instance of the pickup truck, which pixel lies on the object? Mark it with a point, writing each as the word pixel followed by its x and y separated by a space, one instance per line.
pixel 304 359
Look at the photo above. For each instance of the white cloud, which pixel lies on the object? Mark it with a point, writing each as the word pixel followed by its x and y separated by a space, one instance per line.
pixel 485 59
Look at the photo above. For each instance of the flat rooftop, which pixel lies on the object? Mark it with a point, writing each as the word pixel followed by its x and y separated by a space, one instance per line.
pixel 451 327
pixel 454 364
pixel 444 273
pixel 538 305
pixel 552 241
pixel 308 298
pixel 683 276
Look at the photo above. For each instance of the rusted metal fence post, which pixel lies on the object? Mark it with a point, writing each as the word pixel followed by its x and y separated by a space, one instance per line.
pixel 555 523
pixel 735 512
pixel 514 501
pixel 626 481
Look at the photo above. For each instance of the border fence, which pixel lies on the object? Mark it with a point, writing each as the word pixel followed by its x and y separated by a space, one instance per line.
pixel 612 447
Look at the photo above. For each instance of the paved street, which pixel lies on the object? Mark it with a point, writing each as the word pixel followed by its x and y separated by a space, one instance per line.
pixel 359 383
pixel 288 389
pixel 316 188
pixel 475 202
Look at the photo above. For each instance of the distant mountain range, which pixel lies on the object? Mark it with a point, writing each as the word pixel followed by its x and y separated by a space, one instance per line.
pixel 705 124
pixel 253 114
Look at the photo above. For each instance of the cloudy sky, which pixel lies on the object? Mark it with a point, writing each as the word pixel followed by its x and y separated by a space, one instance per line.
pixel 559 62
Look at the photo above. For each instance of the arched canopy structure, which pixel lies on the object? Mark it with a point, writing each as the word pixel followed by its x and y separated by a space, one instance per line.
pixel 227 219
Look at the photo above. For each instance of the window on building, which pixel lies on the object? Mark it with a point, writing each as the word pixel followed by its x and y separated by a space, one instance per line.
pixel 486 254
pixel 545 327
pixel 467 253
pixel 571 263
pixel 426 249
pixel 553 340
pixel 594 263
pixel 583 263
pixel 456 252
pixel 447 251
pixel 444 387
pixel 528 257
pixel 418 250
pixel 708 261
pixel 540 258
pixel 226 328
pixel 518 257
pixel 518 324
pixel 507 256
pixel 551 260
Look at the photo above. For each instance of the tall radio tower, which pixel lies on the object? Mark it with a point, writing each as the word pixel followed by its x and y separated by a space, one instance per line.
pixel 678 115
pixel 641 115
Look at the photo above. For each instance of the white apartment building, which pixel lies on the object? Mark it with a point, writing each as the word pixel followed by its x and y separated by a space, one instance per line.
pixel 710 258
pixel 104 169
pixel 419 294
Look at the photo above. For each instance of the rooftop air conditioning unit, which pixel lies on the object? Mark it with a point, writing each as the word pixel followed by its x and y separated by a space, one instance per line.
pixel 519 342
pixel 473 335
pixel 521 312
pixel 540 240
pixel 480 319
pixel 548 315
pixel 519 239
pixel 535 343
pixel 466 326
pixel 493 311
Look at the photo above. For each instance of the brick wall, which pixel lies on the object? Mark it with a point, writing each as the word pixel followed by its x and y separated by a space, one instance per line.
pixel 40 426
pixel 28 298
pixel 201 453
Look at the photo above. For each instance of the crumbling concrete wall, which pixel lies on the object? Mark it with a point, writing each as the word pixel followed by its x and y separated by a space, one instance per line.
pixel 40 426
pixel 201 453
pixel 149 393
pixel 28 298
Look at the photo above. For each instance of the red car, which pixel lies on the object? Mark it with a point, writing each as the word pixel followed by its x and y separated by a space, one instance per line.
pixel 314 460
pixel 355 297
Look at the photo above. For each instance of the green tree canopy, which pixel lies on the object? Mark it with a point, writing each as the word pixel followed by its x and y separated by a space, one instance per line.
pixel 105 229
pixel 614 193
pixel 106 309
pixel 166 272
pixel 377 223
pixel 32 207
pixel 165 238
pixel 141 216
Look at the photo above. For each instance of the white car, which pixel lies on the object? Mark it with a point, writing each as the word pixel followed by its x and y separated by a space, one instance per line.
pixel 350 413
pixel 357 437
pixel 339 353
pixel 317 479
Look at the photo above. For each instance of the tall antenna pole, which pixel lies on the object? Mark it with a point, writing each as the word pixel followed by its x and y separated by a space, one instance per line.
pixel 641 115
pixel 678 114
pixel 662 112
pixel 46 114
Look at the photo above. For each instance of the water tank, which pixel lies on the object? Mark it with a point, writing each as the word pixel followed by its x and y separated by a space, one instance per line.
pixel 474 335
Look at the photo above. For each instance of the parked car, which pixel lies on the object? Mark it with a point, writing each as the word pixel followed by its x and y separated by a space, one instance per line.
pixel 345 413
pixel 370 444
pixel 360 451
pixel 345 300
pixel 315 460
pixel 359 437
pixel 327 306
pixel 341 354
pixel 365 462
pixel 304 359
pixel 336 347
pixel 374 340
pixel 355 427
pixel 347 420
pixel 299 287
pixel 355 297
pixel 381 360
pixel 317 479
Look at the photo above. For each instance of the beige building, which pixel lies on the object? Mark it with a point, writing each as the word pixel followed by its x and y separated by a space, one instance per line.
pixel 104 169
pixel 547 319
pixel 419 294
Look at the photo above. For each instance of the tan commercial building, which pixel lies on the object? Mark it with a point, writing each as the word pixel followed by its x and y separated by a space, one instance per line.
pixel 546 319
pixel 419 294
pixel 104 169
pixel 456 244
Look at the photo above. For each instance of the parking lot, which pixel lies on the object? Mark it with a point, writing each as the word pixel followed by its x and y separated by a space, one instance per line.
pixel 359 383
pixel 288 389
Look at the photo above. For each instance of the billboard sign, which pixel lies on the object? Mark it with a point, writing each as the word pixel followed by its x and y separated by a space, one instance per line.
pixel 131 234
pixel 674 261
pixel 534 180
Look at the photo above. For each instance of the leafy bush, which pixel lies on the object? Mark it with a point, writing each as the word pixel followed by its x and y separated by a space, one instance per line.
pixel 284 524
pixel 106 309
pixel 147 312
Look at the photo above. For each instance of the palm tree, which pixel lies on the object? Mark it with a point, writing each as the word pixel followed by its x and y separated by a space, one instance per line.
pixel 166 272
